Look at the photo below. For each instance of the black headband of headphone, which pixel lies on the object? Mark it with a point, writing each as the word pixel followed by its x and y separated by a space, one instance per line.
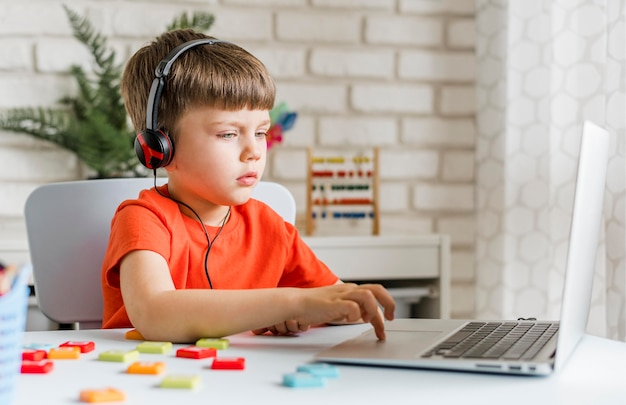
pixel 160 74
pixel 153 146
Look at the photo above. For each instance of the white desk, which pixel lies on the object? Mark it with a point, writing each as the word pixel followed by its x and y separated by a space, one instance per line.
pixel 583 381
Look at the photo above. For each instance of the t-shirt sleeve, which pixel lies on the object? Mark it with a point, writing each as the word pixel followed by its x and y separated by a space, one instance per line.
pixel 303 268
pixel 134 227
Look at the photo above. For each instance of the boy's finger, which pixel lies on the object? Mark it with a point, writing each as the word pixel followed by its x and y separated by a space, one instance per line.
pixel 384 298
pixel 379 327
pixel 260 331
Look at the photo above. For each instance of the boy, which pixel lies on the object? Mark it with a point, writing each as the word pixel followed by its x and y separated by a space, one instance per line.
pixel 197 257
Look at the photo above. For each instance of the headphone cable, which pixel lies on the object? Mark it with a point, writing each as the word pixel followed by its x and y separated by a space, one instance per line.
pixel 206 233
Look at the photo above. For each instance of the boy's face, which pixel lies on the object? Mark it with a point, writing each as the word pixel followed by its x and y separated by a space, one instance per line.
pixel 219 156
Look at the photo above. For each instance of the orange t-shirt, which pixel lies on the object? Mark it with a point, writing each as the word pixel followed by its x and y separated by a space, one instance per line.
pixel 255 249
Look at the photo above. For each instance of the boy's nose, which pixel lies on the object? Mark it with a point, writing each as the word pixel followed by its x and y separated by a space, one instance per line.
pixel 252 150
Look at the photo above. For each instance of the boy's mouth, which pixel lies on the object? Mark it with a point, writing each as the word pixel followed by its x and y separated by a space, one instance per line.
pixel 248 179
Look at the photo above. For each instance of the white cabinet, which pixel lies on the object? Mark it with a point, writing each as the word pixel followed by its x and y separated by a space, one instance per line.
pixel 414 268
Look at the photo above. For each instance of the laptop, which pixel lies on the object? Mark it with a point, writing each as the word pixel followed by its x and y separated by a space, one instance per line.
pixel 521 347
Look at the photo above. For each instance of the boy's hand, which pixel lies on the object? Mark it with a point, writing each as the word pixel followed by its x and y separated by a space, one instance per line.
pixel 290 327
pixel 338 303
pixel 351 303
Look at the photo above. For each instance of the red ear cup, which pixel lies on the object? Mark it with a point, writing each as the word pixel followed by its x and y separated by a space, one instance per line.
pixel 154 148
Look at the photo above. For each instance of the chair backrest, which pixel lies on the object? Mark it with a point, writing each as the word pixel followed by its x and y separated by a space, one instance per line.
pixel 68 226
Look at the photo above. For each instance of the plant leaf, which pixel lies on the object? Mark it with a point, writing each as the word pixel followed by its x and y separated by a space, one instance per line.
pixel 93 123
pixel 200 21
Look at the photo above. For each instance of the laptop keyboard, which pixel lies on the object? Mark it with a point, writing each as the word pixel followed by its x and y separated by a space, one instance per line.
pixel 496 340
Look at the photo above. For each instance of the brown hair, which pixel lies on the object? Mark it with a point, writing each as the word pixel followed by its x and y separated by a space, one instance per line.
pixel 222 75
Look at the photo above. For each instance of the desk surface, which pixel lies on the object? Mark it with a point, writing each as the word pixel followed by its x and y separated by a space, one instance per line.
pixel 595 375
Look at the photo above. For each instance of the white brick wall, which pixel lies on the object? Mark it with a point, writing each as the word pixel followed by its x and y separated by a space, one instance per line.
pixel 439 197
pixel 374 64
pixel 449 133
pixel 404 30
pixel 393 98
pixel 397 74
pixel 368 131
pixel 437 66
pixel 333 26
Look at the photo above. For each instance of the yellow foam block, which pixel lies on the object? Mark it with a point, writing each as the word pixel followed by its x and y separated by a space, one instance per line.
pixel 122 356
pixel 154 347
pixel 180 381
pixel 219 344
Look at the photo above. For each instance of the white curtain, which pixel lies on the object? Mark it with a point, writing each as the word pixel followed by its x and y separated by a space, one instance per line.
pixel 544 67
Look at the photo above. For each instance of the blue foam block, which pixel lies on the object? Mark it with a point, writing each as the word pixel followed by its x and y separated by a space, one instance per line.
pixel 302 380
pixel 320 370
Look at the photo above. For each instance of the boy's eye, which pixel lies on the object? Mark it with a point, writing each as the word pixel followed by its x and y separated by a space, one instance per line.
pixel 229 135
pixel 261 134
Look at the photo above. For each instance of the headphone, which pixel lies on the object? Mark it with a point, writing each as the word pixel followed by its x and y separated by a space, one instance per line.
pixel 153 146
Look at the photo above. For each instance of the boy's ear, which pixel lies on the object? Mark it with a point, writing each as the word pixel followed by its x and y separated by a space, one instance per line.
pixel 172 166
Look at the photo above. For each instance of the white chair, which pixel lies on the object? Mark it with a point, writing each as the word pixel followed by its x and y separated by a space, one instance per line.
pixel 68 227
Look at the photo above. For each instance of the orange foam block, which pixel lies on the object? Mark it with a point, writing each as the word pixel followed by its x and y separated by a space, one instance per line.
pixel 140 367
pixel 102 395
pixel 134 334
pixel 64 353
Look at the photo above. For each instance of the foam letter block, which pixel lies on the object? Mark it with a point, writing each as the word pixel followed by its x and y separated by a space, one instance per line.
pixel 181 381
pixel 302 380
pixel 195 352
pixel 217 344
pixel 120 356
pixel 154 347
pixel 64 353
pixel 38 346
pixel 139 367
pixel 320 369
pixel 228 363
pixel 85 347
pixel 104 395
pixel 133 334
pixel 37 367
pixel 34 354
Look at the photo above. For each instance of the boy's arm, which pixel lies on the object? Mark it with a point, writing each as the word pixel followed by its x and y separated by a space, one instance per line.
pixel 160 312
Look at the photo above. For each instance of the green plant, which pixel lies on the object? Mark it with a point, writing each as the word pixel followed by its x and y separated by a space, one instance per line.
pixel 93 124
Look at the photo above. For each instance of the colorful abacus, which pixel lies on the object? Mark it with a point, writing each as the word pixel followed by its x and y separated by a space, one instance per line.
pixel 341 187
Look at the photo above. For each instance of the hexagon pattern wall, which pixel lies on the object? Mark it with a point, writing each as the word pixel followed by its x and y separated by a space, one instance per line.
pixel 544 67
